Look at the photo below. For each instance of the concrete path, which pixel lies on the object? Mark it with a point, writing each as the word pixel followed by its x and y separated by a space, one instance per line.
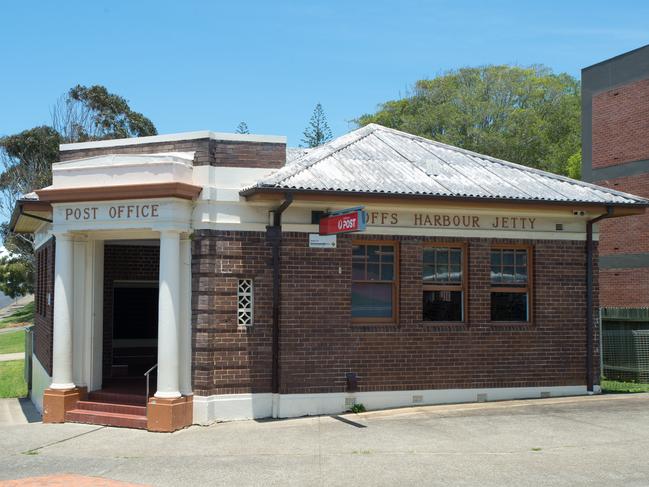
pixel 600 441
pixel 13 329
pixel 15 305
pixel 17 411
pixel 7 357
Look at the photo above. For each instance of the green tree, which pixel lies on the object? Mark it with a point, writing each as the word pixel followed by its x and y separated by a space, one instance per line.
pixel 318 131
pixel 573 168
pixel 27 159
pixel 526 115
pixel 92 113
pixel 82 114
pixel 242 128
pixel 16 277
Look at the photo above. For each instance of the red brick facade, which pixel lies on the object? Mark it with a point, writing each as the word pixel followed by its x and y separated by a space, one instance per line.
pixel 319 343
pixel 620 135
pixel 208 152
pixel 627 235
pixel 624 288
pixel 621 125
pixel 226 358
pixel 44 298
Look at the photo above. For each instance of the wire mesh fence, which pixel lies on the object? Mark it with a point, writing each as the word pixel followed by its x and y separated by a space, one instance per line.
pixel 625 355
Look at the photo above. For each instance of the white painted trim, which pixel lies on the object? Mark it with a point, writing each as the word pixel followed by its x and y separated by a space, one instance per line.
pixel 96 311
pixel 202 134
pixel 40 381
pixel 228 407
pixel 174 214
pixel 421 232
pixel 184 159
pixel 38 243
pixel 449 232
pixel 185 317
pixel 80 322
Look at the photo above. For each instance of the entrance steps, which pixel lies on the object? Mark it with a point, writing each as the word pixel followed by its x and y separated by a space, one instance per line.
pixel 117 397
pixel 123 415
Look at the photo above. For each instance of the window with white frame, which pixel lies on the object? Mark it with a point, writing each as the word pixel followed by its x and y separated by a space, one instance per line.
pixel 245 302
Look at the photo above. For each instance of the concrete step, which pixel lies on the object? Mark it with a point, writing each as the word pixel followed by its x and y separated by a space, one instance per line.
pixel 105 407
pixel 135 421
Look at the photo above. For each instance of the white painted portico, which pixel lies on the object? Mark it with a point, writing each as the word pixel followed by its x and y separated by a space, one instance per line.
pixel 78 289
pixel 82 226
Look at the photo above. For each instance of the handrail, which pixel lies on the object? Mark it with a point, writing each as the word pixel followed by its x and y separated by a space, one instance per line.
pixel 146 374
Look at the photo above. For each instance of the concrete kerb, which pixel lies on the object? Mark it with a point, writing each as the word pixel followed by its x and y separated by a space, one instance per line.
pixel 448 408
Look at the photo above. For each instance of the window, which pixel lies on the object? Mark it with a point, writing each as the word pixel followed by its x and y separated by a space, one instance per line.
pixel 244 302
pixel 510 283
pixel 444 283
pixel 374 282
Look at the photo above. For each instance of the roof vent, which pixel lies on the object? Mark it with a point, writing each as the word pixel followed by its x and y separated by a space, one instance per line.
pixel 559 227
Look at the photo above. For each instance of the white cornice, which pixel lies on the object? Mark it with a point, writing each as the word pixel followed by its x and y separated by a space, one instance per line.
pixel 202 134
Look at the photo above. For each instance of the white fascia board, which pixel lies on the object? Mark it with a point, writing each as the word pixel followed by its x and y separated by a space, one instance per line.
pixel 202 134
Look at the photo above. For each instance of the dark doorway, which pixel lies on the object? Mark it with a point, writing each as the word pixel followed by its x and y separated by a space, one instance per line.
pixel 135 327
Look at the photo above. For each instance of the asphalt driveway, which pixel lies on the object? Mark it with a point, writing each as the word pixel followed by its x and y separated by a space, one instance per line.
pixel 601 440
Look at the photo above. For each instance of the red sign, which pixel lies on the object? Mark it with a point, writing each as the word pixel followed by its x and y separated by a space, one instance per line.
pixel 342 222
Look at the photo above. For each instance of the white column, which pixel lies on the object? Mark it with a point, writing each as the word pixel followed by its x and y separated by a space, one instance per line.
pixel 63 291
pixel 169 315
pixel 80 322
pixel 185 337
pixel 96 339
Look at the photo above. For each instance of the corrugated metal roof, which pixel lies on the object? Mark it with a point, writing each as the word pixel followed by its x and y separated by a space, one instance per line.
pixel 294 153
pixel 378 160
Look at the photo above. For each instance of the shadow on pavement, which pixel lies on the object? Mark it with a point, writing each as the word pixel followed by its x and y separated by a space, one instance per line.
pixel 29 410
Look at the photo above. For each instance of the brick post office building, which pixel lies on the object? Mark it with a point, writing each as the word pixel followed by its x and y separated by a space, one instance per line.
pixel 474 280
pixel 615 133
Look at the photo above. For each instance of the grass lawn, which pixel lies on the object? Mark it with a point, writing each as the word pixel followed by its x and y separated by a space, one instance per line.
pixel 614 386
pixel 12 342
pixel 12 383
pixel 22 316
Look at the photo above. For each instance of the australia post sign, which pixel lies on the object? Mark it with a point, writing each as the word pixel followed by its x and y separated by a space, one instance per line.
pixel 343 221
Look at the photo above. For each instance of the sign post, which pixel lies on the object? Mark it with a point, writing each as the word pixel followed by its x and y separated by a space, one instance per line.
pixel 343 221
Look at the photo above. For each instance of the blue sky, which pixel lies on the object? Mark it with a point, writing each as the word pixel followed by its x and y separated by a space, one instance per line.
pixel 194 65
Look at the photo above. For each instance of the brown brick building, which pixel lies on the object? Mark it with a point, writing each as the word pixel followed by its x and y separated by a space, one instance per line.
pixel 470 278
pixel 615 133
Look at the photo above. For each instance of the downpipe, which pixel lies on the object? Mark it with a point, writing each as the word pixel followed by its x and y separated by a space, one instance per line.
pixel 274 236
pixel 590 379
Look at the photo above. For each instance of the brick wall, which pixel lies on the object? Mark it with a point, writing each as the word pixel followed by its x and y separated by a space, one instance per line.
pixel 627 235
pixel 228 359
pixel 124 263
pixel 208 152
pixel 625 288
pixel 620 125
pixel 44 309
pixel 319 343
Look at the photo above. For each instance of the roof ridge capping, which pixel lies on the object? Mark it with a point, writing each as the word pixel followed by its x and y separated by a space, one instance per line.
pixel 317 154
pixel 178 136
